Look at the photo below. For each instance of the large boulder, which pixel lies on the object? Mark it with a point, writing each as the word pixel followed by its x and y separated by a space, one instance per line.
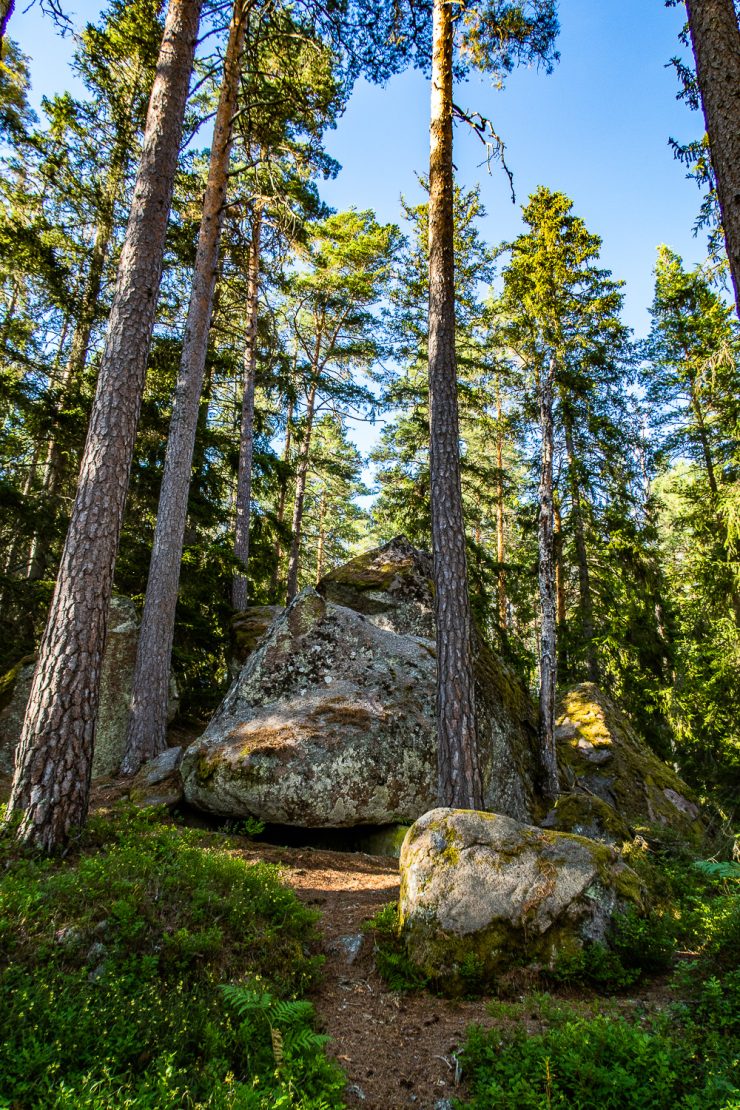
pixel 481 892
pixel 115 694
pixel 613 784
pixel 332 722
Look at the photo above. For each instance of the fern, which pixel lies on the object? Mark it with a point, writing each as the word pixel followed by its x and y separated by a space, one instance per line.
pixel 714 869
pixel 288 1021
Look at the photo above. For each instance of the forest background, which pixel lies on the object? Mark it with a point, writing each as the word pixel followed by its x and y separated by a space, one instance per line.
pixel 597 129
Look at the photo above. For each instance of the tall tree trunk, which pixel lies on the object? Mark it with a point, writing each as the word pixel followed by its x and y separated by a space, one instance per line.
pixel 584 575
pixel 500 533
pixel 54 760
pixel 322 538
pixel 246 434
pixel 146 734
pixel 459 778
pixel 56 466
pixel 715 39
pixel 560 610
pixel 300 482
pixel 546 577
pixel 283 494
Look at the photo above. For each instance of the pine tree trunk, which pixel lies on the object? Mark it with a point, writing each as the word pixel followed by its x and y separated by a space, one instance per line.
pixel 283 495
pixel 56 466
pixel 459 778
pixel 584 575
pixel 500 534
pixel 546 577
pixel 300 484
pixel 239 594
pixel 560 609
pixel 715 39
pixel 54 759
pixel 146 733
pixel 322 538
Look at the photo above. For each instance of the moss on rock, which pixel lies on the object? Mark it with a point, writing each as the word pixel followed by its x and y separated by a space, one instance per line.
pixel 479 890
pixel 614 780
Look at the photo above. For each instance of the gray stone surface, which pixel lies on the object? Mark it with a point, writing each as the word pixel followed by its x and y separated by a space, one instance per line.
pixel 159 781
pixel 331 722
pixel 115 694
pixel 481 890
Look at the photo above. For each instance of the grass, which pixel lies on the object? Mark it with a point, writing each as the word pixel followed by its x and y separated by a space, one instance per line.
pixel 112 966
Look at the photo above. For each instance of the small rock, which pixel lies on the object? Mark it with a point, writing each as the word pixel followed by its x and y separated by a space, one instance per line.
pixel 352 945
pixel 356 1090
pixel 159 783
pixel 70 936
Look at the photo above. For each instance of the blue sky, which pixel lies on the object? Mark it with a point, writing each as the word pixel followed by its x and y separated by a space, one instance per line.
pixel 597 128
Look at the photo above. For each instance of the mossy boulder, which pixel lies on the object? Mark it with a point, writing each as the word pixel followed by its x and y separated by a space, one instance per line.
pixel 331 722
pixel 481 893
pixel 390 585
pixel 613 784
pixel 115 693
pixel 247 629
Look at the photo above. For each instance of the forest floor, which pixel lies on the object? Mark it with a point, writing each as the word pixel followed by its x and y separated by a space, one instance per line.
pixel 397 1049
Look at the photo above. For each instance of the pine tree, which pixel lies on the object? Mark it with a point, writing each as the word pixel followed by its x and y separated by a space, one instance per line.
pixel 52 780
pixel 495 37
pixel 343 273
pixel 147 725
pixel 715 39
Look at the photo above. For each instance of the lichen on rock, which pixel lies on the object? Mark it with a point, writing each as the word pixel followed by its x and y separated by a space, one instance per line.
pixel 331 722
pixel 613 783
pixel 484 890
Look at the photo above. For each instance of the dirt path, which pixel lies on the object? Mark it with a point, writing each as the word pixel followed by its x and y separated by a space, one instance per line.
pixel 398 1051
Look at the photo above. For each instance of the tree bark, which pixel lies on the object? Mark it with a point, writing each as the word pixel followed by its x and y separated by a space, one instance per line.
pixel 54 760
pixel 560 608
pixel 283 495
pixel 322 538
pixel 715 39
pixel 300 483
pixel 584 576
pixel 500 533
pixel 459 778
pixel 56 465
pixel 546 578
pixel 239 592
pixel 146 733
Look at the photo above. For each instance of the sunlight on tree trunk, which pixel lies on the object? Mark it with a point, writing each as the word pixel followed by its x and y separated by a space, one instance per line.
pixel 54 760
pixel 458 770
pixel 546 576
pixel 239 595
pixel 147 726
pixel 715 39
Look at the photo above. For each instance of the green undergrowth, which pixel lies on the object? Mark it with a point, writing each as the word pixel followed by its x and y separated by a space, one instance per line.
pixel 113 963
pixel 681 1050
pixel 394 966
